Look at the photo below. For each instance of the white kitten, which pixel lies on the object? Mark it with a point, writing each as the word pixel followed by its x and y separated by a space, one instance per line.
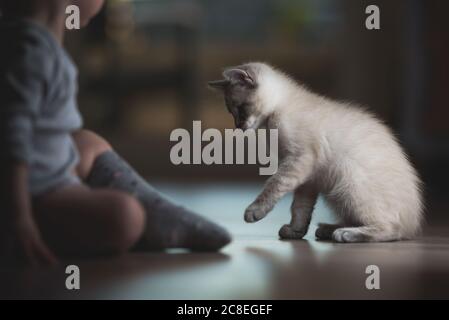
pixel 327 147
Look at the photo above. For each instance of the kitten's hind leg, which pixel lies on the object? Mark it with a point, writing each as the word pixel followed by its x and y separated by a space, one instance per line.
pixel 304 200
pixel 364 234
pixel 325 231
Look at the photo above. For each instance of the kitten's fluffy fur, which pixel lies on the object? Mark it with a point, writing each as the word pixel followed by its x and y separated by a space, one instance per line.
pixel 335 149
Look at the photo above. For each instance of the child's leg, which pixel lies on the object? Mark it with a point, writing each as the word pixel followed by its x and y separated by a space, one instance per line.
pixel 167 225
pixel 90 146
pixel 82 221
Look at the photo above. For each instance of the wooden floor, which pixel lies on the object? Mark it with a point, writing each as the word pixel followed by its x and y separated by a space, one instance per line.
pixel 255 266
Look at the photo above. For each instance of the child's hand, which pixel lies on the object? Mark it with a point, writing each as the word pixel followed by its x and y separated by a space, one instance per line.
pixel 21 242
pixel 20 238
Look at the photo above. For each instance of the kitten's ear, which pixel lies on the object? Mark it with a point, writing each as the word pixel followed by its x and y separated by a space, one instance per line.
pixel 239 76
pixel 218 84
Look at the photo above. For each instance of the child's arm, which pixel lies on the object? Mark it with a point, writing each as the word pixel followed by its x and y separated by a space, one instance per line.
pixel 20 238
pixel 25 73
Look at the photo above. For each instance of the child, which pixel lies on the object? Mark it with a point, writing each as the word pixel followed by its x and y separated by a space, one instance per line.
pixel 63 189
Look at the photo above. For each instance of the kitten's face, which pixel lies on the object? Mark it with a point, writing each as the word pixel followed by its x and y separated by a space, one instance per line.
pixel 240 92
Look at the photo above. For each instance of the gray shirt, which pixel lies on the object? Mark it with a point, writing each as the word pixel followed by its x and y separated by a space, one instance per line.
pixel 38 109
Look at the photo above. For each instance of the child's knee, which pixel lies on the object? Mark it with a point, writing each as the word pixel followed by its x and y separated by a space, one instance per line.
pixel 127 219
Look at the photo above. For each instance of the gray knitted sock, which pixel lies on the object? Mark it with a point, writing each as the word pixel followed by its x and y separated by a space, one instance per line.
pixel 168 225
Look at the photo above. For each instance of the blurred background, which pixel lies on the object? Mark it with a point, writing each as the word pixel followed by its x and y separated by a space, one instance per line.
pixel 144 65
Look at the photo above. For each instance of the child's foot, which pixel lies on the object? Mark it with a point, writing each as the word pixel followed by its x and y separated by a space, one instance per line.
pixel 170 226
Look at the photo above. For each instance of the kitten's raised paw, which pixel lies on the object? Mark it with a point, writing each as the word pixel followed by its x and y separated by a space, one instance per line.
pixel 287 232
pixel 253 214
pixel 348 235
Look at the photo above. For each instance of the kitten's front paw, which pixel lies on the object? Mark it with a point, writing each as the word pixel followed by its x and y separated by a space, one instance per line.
pixel 253 214
pixel 287 232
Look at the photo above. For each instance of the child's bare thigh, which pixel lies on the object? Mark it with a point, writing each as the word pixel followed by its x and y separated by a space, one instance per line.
pixel 77 219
